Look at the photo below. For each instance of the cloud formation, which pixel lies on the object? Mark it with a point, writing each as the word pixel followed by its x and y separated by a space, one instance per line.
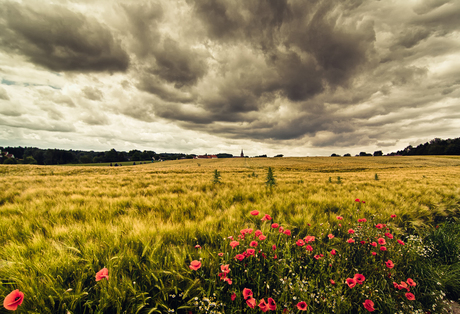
pixel 307 76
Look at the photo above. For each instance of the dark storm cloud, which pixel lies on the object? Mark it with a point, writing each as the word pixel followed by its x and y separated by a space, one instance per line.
pixel 59 39
pixel 304 49
pixel 318 73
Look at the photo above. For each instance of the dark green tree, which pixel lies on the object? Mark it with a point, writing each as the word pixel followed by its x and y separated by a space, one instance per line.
pixel 271 182
pixel 216 178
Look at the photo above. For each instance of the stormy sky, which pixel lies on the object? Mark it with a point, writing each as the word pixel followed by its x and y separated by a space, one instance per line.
pixel 297 77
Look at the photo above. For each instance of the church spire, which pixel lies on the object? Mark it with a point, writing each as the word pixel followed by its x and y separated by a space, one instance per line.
pixel 242 155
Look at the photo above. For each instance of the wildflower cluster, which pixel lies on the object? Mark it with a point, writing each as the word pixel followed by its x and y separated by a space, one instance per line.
pixel 329 269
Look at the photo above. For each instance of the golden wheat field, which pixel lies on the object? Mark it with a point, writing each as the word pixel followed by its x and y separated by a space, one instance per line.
pixel 60 223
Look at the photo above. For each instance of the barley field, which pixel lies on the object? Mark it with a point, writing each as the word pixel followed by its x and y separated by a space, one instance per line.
pixel 60 225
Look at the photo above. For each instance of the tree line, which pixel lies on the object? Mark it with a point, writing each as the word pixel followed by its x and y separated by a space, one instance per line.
pixel 436 146
pixel 34 155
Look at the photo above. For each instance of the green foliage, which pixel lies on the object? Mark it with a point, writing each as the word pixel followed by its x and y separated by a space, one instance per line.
pixel 339 180
pixel 270 180
pixel 30 160
pixel 376 177
pixel 216 178
pixel 10 161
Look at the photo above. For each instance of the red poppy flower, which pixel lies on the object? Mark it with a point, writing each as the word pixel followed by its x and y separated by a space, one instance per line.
pixel 393 216
pixel 275 225
pixel 255 212
pixel 274 247
pixel 351 240
pixel 309 248
pixel 332 281
pixel 281 229
pixel 362 242
pixel 357 200
pixel 362 220
pixel 13 300
pixel 300 242
pixel 225 268
pixel 309 238
pixel 258 233
pixel 411 282
pixel 401 242
pixel 228 280
pixel 263 306
pixel 251 251
pixel 383 248
pixel 339 217
pixel 253 244
pixel 373 253
pixel 247 293
pixel 317 256
pixel 374 244
pixel 104 273
pixel 233 297
pixel 271 304
pixel 388 235
pixel 369 305
pixel 249 230
pixel 234 244
pixel 410 296
pixel 379 226
pixel 333 252
pixel 397 286
pixel 239 257
pixel 221 254
pixel 351 231
pixel 262 237
pixel 404 285
pixel 330 236
pixel 363 202
pixel 194 265
pixel 389 264
pixel 266 217
pixel 197 246
pixel 381 241
pixel 251 302
pixel 302 306
pixel 359 278
pixel 287 232
pixel 351 282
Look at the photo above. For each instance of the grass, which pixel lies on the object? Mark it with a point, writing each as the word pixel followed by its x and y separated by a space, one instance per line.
pixel 61 224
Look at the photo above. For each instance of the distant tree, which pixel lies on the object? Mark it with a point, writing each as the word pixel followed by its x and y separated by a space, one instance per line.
pixel 98 159
pixel 111 156
pixel 10 161
pixel 145 156
pixel 262 156
pixel 85 159
pixel 347 155
pixel 335 155
pixel 378 153
pixel 216 178
pixel 136 156
pixel 30 160
pixel 279 155
pixel 271 182
pixel 362 154
pixel 224 155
